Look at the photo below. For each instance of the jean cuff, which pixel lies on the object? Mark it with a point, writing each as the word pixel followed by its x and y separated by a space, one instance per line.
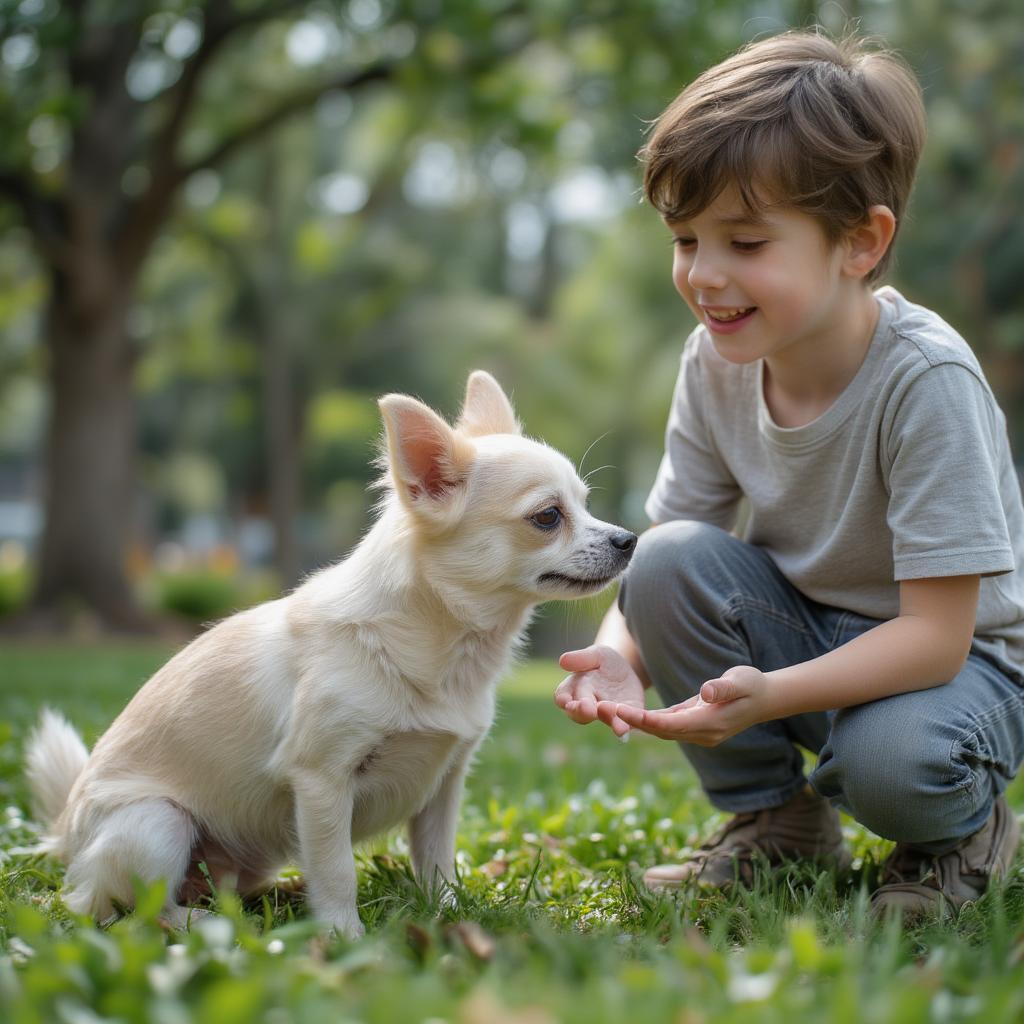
pixel 761 800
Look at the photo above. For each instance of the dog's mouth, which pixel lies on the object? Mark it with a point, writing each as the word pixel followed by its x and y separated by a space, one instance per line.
pixel 578 583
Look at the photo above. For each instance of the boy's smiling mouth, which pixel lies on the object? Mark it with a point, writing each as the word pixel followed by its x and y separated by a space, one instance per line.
pixel 725 315
pixel 727 318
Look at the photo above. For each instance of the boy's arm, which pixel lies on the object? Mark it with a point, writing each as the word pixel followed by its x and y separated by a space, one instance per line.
pixel 924 646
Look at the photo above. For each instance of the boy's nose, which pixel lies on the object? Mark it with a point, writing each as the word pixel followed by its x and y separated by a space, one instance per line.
pixel 704 273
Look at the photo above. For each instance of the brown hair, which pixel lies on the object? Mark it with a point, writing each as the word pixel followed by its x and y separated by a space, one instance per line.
pixel 831 128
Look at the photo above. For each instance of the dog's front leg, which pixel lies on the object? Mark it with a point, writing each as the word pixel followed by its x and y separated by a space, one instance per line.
pixel 323 813
pixel 432 829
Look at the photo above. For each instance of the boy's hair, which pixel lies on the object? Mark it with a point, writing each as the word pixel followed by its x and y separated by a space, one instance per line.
pixel 831 128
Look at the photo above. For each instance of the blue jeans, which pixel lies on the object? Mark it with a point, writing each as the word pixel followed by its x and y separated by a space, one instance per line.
pixel 921 767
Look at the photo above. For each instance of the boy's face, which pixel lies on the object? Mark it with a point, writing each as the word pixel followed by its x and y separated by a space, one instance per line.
pixel 759 283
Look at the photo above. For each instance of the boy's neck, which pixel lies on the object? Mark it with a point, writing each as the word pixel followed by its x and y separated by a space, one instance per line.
pixel 801 383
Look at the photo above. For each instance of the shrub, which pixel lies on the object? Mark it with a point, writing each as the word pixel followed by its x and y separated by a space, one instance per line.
pixel 198 594
pixel 13 589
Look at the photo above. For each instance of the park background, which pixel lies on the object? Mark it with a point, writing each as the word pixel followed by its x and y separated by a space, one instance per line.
pixel 225 228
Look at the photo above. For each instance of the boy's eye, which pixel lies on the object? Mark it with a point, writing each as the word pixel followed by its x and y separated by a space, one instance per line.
pixel 548 518
pixel 748 246
pixel 683 243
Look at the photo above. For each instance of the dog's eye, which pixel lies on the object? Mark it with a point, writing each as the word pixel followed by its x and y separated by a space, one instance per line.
pixel 548 518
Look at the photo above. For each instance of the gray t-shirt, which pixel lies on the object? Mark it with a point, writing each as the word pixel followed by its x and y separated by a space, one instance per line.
pixel 907 475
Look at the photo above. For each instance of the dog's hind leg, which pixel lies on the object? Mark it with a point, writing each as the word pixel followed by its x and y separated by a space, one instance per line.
pixel 149 839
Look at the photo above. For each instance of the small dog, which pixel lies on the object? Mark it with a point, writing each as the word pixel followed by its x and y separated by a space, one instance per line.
pixel 294 729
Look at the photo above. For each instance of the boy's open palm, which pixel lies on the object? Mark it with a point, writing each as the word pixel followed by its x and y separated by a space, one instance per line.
pixel 723 707
pixel 599 675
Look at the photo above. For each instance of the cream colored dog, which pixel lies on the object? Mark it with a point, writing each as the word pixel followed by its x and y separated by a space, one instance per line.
pixel 292 730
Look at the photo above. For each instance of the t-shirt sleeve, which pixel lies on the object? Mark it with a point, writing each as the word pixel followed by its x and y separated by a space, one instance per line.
pixel 693 482
pixel 944 478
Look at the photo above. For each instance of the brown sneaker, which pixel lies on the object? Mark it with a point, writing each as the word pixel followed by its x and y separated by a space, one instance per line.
pixel 807 827
pixel 917 885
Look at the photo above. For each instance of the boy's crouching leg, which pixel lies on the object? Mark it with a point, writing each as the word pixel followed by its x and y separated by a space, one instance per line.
pixel 927 770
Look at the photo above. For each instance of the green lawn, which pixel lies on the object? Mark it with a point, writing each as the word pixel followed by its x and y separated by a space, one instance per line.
pixel 549 926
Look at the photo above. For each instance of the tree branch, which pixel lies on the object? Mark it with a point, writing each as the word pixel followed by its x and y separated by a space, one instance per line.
pixel 147 214
pixel 217 30
pixel 297 101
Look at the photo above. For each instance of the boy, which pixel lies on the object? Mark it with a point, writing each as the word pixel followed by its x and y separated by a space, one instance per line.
pixel 870 613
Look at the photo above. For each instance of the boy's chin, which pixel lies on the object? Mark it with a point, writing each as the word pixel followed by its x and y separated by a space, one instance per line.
pixel 732 352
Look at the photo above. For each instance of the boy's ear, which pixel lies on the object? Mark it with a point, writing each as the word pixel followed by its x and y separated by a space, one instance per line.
pixel 428 460
pixel 867 243
pixel 486 409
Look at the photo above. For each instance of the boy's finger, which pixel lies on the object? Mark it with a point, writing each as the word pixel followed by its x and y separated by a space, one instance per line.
pixel 564 692
pixel 688 703
pixel 583 712
pixel 630 715
pixel 606 711
pixel 580 661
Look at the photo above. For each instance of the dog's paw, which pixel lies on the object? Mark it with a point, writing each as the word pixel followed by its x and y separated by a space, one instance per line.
pixel 343 921
pixel 350 930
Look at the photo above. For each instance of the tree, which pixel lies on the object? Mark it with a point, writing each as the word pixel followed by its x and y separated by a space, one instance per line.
pixel 94 218
pixel 111 106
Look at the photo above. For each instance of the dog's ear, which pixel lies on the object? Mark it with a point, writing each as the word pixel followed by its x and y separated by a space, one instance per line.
pixel 428 460
pixel 486 409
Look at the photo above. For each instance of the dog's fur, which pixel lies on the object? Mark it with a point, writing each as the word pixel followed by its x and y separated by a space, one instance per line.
pixel 294 729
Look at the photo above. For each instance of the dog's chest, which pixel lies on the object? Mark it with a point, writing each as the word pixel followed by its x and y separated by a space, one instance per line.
pixel 396 778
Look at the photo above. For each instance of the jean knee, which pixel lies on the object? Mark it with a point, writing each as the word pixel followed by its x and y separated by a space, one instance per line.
pixel 897 782
pixel 667 560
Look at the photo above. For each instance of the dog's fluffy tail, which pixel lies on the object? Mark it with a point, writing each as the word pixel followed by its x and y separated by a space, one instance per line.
pixel 54 758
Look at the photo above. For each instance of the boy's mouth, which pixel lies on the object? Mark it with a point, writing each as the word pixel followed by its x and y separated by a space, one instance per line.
pixel 727 319
pixel 728 315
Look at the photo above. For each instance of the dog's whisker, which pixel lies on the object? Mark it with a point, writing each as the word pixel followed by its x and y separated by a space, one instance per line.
pixel 597 469
pixel 596 440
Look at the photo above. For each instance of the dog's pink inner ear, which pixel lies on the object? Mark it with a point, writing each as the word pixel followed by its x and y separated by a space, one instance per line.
pixel 428 459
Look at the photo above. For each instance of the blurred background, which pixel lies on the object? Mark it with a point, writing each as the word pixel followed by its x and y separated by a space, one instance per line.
pixel 227 226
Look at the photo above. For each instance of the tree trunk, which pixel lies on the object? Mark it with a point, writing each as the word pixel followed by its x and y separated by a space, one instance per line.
pixel 90 460
pixel 282 426
pixel 281 445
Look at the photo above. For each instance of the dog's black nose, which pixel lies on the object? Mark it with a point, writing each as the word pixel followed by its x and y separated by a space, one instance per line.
pixel 623 540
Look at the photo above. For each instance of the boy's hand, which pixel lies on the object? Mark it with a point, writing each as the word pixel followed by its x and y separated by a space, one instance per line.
pixel 600 675
pixel 724 707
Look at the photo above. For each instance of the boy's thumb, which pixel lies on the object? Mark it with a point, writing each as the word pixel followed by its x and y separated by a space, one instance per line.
pixel 580 661
pixel 718 690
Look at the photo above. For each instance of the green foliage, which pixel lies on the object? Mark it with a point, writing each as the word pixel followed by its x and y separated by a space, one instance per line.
pixel 204 594
pixel 14 585
pixel 549 923
pixel 197 594
pixel 492 108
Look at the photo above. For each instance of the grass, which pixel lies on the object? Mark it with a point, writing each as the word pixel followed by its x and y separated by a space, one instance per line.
pixel 549 924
